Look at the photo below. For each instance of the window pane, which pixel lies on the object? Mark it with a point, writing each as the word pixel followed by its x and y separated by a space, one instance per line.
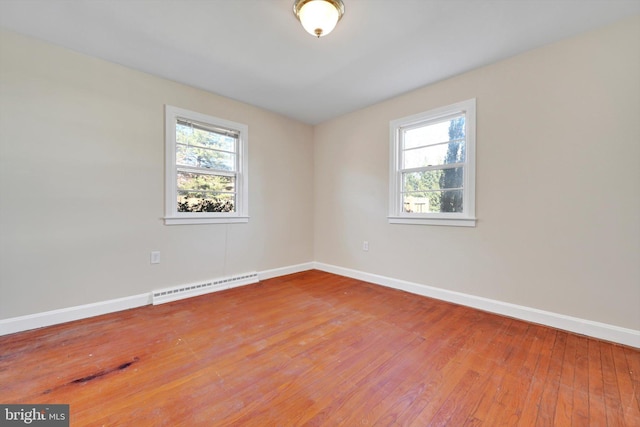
pixel 421 181
pixel 187 202
pixel 451 201
pixel 205 158
pixel 421 201
pixel 199 183
pixel 205 193
pixel 439 179
pixel 434 133
pixel 433 201
pixel 191 136
pixel 434 155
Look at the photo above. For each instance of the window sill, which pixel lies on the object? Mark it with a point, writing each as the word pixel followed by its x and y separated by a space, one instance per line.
pixel 201 220
pixel 455 222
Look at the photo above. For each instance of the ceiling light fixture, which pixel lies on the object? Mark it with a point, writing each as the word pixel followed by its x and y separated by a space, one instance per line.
pixel 318 17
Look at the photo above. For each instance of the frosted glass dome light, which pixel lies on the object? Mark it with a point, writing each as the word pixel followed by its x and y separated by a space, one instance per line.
pixel 318 17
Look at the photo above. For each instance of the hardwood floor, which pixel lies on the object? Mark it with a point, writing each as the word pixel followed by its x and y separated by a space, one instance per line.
pixel 318 349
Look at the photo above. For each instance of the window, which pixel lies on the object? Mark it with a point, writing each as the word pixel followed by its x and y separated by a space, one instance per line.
pixel 206 169
pixel 432 171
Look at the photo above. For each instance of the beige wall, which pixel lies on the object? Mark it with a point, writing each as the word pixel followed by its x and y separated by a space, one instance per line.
pixel 558 184
pixel 82 184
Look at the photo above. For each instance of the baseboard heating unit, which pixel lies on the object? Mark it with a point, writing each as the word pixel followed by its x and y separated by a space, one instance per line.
pixel 187 291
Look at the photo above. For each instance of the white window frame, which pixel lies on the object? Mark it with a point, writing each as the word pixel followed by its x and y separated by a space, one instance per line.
pixel 172 216
pixel 467 217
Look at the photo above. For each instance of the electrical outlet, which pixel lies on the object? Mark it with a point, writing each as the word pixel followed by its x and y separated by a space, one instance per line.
pixel 155 257
pixel 365 245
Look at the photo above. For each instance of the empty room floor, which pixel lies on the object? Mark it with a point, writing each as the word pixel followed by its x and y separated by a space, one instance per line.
pixel 314 348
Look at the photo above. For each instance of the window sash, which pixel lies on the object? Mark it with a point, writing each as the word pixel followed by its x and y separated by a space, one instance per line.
pixel 239 193
pixel 431 168
pixel 418 147
pixel 205 148
pixel 399 189
pixel 207 127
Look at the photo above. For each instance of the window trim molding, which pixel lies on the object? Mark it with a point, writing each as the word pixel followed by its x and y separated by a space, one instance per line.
pixel 463 219
pixel 172 216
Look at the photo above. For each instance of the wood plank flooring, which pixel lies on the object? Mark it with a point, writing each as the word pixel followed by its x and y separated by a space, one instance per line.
pixel 320 350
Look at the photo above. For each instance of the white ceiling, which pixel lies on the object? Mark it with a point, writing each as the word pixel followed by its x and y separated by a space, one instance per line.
pixel 257 52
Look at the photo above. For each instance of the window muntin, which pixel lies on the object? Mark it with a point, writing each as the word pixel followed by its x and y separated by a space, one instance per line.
pixel 206 168
pixel 433 166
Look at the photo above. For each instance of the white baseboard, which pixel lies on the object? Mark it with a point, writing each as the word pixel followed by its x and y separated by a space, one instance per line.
pixel 604 331
pixel 277 272
pixel 63 315
pixel 54 317
pixel 590 328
